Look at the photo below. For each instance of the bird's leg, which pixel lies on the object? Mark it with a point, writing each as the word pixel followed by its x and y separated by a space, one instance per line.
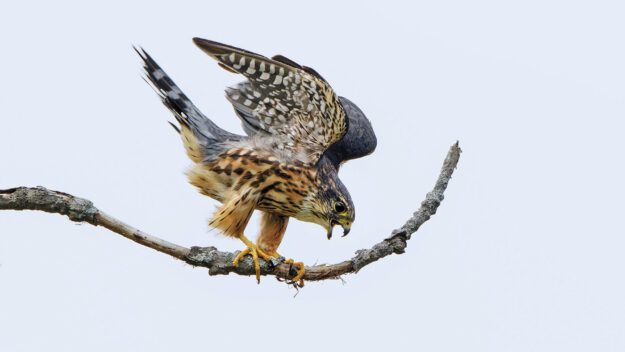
pixel 300 270
pixel 255 252
pixel 299 266
pixel 232 219
pixel 272 229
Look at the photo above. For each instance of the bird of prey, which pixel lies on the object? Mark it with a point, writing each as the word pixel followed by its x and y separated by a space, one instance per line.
pixel 299 132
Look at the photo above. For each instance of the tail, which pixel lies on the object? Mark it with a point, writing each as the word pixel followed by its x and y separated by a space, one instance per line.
pixel 201 137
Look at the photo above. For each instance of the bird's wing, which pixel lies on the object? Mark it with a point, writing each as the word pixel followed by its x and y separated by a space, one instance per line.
pixel 359 141
pixel 289 102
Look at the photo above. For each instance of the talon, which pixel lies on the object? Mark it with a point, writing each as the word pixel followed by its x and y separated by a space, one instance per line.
pixel 256 254
pixel 274 262
pixel 273 259
pixel 240 256
pixel 299 272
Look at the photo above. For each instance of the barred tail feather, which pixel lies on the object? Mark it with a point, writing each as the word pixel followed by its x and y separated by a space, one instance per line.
pixel 200 135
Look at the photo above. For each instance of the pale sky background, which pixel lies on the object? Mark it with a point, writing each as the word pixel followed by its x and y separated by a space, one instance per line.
pixel 526 253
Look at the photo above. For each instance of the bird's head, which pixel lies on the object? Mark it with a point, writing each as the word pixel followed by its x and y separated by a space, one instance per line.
pixel 331 204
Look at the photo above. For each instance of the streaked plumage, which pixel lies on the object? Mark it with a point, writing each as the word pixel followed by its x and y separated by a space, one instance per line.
pixel 298 134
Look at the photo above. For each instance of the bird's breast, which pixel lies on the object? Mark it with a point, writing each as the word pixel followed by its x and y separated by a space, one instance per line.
pixel 280 187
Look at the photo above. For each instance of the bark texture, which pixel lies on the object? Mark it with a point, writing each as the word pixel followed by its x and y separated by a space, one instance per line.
pixel 218 262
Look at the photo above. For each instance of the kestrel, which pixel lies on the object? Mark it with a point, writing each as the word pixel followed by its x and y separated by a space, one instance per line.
pixel 299 132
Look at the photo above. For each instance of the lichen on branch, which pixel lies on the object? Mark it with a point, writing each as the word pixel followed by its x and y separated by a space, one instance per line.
pixel 218 262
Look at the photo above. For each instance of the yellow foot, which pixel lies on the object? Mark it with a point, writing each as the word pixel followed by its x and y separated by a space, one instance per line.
pixel 256 253
pixel 299 267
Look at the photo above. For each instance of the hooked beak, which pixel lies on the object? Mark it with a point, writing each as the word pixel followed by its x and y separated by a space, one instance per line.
pixel 346 229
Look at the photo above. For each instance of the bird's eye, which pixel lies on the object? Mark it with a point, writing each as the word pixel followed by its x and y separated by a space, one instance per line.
pixel 339 207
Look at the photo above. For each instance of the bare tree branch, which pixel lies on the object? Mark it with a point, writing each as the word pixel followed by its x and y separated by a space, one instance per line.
pixel 218 262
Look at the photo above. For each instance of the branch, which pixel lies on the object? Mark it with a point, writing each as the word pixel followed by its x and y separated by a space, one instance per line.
pixel 218 262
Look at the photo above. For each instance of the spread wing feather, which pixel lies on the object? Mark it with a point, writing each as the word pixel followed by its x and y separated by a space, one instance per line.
pixel 291 103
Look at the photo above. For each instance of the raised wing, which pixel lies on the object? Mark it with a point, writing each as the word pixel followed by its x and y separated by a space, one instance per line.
pixel 291 103
pixel 359 141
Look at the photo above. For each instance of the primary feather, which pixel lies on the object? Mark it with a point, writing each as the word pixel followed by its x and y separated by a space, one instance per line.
pixel 295 106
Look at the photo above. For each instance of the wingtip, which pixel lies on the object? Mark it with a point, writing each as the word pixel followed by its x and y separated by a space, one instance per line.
pixel 206 45
pixel 197 40
pixel 213 48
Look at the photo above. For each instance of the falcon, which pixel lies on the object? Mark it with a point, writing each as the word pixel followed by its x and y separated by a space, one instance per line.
pixel 298 133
